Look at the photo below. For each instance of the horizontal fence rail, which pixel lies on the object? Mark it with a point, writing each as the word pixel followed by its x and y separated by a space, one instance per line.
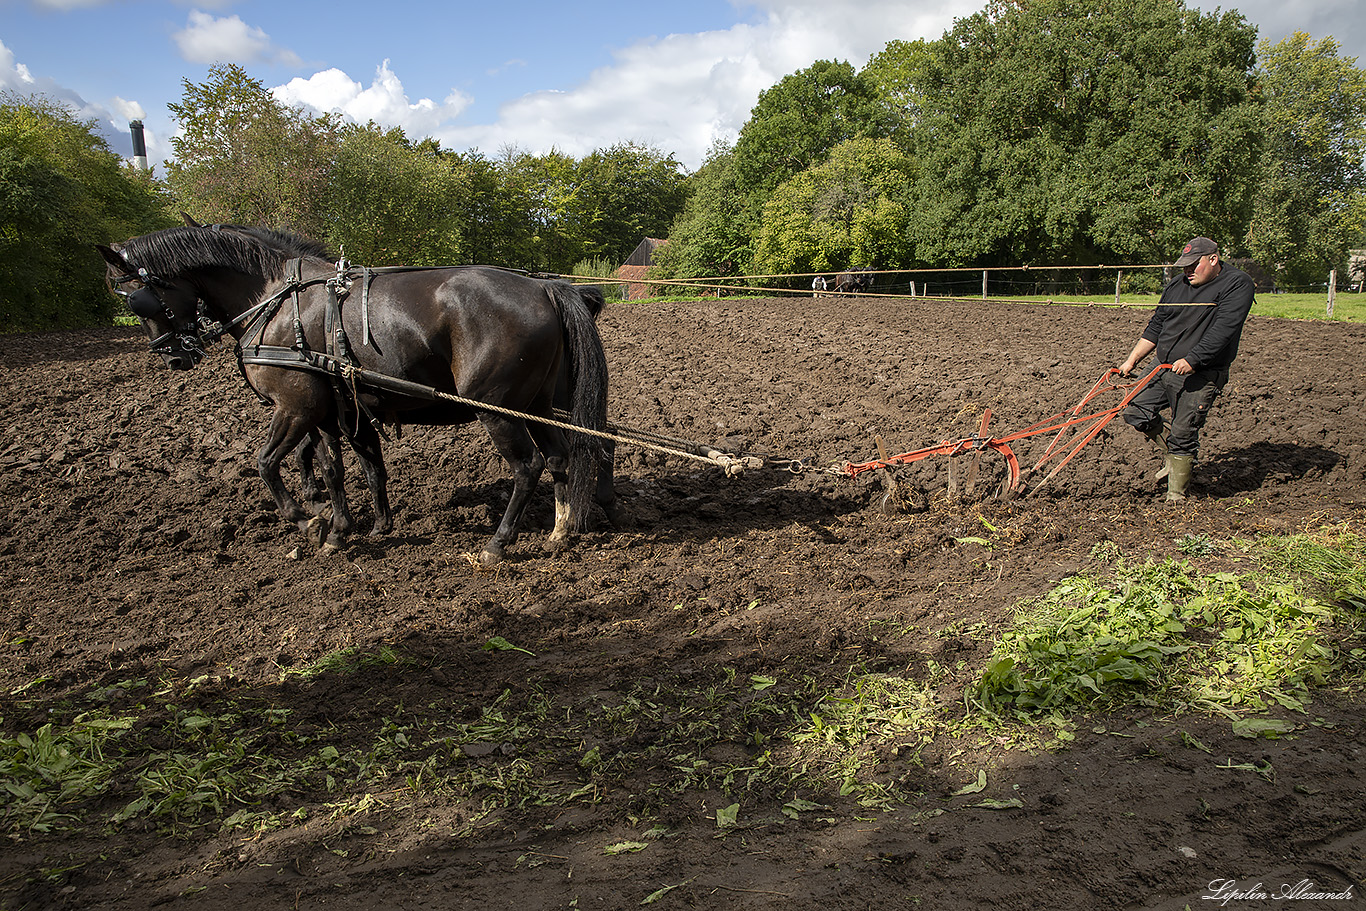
pixel 1026 284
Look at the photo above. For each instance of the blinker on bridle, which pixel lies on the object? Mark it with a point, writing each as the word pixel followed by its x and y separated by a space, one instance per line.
pixel 146 304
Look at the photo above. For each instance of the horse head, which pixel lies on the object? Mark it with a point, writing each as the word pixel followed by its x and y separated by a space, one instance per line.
pixel 167 307
pixel 173 277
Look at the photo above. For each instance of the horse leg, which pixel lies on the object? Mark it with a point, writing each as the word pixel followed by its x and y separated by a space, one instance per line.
pixel 514 444
pixel 285 432
pixel 553 446
pixel 605 494
pixel 310 490
pixel 334 476
pixel 365 443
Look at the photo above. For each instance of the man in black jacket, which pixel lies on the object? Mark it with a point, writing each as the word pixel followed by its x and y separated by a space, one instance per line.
pixel 1196 328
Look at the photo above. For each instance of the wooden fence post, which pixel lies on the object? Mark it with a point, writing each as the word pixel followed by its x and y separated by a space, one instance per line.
pixel 1118 275
pixel 1332 290
pixel 984 284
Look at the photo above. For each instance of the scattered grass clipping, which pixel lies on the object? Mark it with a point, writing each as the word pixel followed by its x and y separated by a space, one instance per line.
pixel 1161 633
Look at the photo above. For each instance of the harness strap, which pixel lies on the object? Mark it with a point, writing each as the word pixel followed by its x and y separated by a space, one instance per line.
pixel 367 275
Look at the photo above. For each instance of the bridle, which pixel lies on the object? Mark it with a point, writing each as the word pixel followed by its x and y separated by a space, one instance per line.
pixel 191 334
pixel 185 335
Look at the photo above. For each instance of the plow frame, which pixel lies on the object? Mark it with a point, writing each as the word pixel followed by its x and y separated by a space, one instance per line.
pixel 1072 431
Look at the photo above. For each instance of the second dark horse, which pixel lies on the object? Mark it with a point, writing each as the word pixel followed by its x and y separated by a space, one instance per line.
pixel 488 335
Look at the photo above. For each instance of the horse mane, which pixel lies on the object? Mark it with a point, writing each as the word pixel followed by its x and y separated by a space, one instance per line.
pixel 254 251
pixel 288 241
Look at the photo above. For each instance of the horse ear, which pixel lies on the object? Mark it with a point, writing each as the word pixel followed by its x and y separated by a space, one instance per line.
pixel 190 222
pixel 114 258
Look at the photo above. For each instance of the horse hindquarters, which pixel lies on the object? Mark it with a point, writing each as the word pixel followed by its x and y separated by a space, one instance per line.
pixel 531 447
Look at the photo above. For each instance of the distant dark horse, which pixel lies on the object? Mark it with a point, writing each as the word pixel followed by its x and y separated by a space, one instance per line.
pixel 854 281
pixel 484 334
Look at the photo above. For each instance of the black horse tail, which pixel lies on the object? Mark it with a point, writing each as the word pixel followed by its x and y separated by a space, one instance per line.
pixel 579 307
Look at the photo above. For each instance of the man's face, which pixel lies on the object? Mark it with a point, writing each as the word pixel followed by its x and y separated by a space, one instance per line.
pixel 1203 269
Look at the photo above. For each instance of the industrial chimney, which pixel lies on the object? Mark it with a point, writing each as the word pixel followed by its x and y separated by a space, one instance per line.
pixel 139 146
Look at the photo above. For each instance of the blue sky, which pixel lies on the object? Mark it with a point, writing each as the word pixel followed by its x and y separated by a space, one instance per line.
pixel 529 74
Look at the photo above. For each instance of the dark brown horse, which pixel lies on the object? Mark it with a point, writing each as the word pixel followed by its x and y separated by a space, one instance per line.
pixel 487 335
pixel 365 440
pixel 855 281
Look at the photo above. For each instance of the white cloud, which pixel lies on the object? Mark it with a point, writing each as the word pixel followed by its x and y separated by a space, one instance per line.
pixel 385 101
pixel 681 93
pixel 128 110
pixel 207 39
pixel 111 124
pixel 15 77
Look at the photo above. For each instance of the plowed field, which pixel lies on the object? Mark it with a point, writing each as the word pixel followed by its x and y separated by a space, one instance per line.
pixel 144 574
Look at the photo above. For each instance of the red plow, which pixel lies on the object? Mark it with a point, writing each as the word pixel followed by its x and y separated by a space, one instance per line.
pixel 1071 430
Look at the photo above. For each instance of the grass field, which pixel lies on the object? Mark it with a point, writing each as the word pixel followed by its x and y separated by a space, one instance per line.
pixel 1348 307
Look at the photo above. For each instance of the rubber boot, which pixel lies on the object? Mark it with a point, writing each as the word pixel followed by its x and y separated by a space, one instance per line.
pixel 1178 476
pixel 1159 439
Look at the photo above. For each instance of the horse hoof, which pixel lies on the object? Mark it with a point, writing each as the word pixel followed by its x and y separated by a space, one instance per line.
pixel 317 530
pixel 490 558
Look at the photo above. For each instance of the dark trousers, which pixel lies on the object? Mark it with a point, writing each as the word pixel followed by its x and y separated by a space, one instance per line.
pixel 1189 398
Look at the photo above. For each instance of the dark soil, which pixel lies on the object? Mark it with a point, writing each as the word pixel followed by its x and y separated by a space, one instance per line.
pixel 136 542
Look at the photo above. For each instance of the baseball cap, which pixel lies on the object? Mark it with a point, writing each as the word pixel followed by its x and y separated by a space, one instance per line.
pixel 1191 253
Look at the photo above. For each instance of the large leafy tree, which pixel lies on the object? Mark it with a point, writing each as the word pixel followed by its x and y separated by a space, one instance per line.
pixel 393 203
pixel 624 194
pixel 1311 197
pixel 61 191
pixel 712 235
pixel 897 76
pixel 796 123
pixel 496 225
pixel 244 157
pixel 1082 130
pixel 548 185
pixel 849 210
pixel 597 207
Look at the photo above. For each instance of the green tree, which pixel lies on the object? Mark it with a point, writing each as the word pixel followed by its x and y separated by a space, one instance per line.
pixel 897 74
pixel 712 235
pixel 243 157
pixel 61 191
pixel 796 123
pixel 847 211
pixel 624 194
pixel 548 184
pixel 496 214
pixel 390 203
pixel 1082 130
pixel 598 207
pixel 1311 197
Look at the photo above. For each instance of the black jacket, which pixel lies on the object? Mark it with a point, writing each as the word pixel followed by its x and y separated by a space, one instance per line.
pixel 1206 330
